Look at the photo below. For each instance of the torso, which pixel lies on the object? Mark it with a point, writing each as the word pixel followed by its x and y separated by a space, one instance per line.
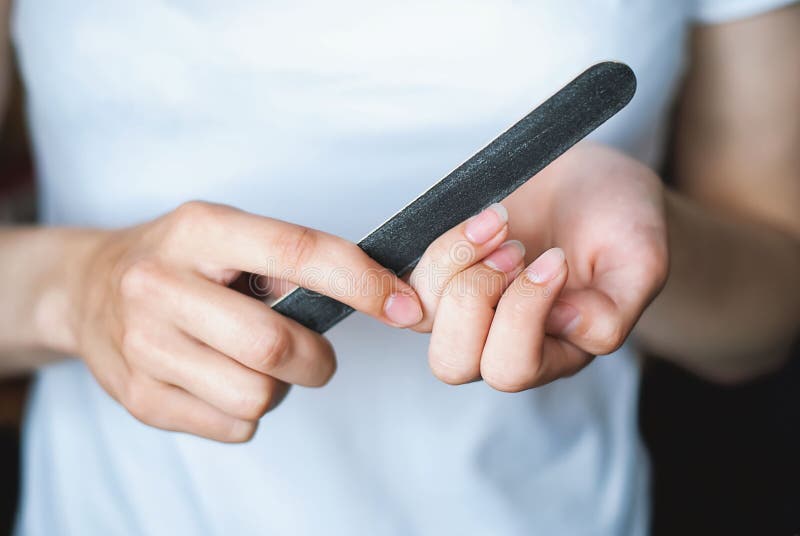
pixel 333 115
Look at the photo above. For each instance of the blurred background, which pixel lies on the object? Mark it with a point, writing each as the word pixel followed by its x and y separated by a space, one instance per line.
pixel 726 460
pixel 17 204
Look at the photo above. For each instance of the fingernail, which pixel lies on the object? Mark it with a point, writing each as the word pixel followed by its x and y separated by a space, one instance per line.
pixel 402 309
pixel 507 257
pixel 546 267
pixel 563 319
pixel 483 226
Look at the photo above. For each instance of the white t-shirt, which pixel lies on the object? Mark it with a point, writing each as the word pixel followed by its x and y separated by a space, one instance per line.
pixel 333 115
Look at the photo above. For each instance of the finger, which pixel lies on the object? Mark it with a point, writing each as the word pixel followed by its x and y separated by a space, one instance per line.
pixel 589 319
pixel 465 314
pixel 560 359
pixel 170 408
pixel 454 251
pixel 233 239
pixel 257 337
pixel 173 358
pixel 254 335
pixel 599 318
pixel 514 357
pixel 239 327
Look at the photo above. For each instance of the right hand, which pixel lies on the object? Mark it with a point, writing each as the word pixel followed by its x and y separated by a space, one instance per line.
pixel 159 329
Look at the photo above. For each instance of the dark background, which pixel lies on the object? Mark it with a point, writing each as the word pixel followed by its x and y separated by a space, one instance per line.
pixel 725 459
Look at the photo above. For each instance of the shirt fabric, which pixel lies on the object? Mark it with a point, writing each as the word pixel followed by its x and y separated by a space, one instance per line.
pixel 333 115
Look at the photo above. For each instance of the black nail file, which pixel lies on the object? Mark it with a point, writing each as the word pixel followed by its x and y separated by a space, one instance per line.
pixel 487 177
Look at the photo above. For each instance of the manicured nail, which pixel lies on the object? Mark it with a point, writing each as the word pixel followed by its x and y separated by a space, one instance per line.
pixel 402 309
pixel 563 319
pixel 507 257
pixel 482 227
pixel 546 267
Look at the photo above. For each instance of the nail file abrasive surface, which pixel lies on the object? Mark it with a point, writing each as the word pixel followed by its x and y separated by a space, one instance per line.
pixel 487 177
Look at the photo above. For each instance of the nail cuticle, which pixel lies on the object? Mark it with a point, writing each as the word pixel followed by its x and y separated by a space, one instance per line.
pixel 548 266
pixel 487 224
pixel 507 258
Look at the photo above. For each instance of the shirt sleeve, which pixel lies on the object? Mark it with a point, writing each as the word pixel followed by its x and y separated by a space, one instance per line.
pixel 719 11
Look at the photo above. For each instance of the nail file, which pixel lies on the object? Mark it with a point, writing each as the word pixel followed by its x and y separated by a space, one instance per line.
pixel 487 177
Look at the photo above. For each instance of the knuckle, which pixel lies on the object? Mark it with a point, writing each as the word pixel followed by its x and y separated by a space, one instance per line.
pixel 254 404
pixel 507 385
pixel 269 351
pixel 608 336
pixel 140 278
pixel 296 247
pixel 138 401
pixel 447 369
pixel 472 291
pixel 449 374
pixel 510 379
pixel 133 342
pixel 193 212
pixel 240 432
pixel 190 217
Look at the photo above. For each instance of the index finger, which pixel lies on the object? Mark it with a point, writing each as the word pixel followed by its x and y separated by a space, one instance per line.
pixel 318 261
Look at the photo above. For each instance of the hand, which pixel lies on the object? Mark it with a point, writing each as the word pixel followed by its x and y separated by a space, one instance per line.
pixel 595 220
pixel 162 333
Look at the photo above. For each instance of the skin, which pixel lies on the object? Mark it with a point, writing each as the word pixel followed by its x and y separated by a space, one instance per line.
pixel 150 312
pixel 732 303
pixel 598 292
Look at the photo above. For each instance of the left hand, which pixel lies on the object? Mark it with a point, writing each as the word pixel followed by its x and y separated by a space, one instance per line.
pixel 595 220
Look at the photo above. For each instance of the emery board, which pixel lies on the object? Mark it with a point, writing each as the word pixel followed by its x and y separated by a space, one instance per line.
pixel 487 177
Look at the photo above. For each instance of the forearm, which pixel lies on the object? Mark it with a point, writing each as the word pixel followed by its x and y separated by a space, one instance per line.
pixel 731 305
pixel 40 273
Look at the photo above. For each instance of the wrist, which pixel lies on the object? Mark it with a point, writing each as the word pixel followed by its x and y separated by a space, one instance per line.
pixel 67 256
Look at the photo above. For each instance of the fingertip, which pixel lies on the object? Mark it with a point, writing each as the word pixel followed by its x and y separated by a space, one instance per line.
pixel 547 266
pixel 403 309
